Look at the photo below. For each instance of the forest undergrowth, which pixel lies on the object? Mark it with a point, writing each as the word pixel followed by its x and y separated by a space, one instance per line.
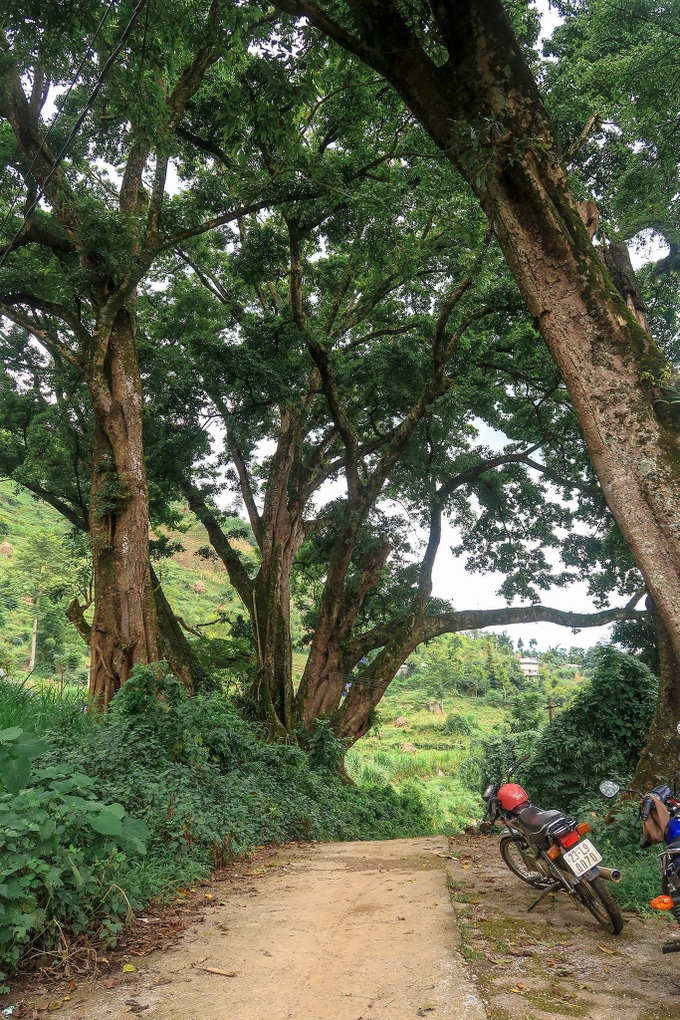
pixel 103 814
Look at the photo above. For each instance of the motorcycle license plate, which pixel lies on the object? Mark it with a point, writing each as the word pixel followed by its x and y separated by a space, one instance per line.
pixel 582 857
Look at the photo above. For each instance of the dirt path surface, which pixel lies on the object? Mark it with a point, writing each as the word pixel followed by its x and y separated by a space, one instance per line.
pixel 377 931
pixel 350 931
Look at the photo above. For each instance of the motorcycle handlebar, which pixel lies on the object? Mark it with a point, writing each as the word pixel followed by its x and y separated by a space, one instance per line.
pixel 516 764
pixel 646 807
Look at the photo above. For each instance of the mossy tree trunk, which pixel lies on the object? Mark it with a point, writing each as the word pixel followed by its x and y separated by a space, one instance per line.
pixel 124 628
pixel 95 245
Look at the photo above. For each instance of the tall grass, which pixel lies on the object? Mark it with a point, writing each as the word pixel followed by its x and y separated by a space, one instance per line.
pixel 42 707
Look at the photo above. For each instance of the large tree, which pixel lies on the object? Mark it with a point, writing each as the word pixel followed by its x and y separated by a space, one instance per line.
pixel 462 71
pixel 90 213
pixel 614 91
pixel 359 335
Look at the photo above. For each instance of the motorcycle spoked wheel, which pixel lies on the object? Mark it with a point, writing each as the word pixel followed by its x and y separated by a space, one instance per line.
pixel 515 852
pixel 596 898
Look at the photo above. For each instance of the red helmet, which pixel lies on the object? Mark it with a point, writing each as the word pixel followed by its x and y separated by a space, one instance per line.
pixel 511 796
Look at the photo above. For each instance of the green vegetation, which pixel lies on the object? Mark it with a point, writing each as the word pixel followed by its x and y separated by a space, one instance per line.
pixel 600 734
pixel 42 566
pixel 205 786
pixel 121 809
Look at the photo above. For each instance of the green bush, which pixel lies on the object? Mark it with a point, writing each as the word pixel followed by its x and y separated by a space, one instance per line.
pixel 63 852
pixel 456 724
pixel 601 733
pixel 154 795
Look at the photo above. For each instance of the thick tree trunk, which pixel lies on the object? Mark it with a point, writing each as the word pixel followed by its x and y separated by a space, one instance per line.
pixel 659 759
pixel 270 616
pixel 326 670
pixel 124 628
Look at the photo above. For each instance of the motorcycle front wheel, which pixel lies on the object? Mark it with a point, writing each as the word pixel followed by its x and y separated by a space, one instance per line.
pixel 517 855
pixel 596 898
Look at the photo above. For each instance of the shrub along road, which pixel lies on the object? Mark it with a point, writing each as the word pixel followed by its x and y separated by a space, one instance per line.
pixel 366 931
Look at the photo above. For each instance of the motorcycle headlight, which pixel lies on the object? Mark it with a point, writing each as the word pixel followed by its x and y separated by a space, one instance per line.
pixel 489 792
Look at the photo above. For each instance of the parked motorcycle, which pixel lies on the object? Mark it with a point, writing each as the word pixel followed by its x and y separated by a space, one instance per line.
pixel 549 851
pixel 659 815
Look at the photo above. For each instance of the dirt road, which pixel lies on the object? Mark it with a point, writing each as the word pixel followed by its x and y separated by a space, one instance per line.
pixel 556 961
pixel 370 931
pixel 346 931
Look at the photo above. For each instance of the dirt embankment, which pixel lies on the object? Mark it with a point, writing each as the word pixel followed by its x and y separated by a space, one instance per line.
pixel 374 931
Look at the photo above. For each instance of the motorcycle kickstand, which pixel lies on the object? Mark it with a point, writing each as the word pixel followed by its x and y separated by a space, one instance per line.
pixel 550 888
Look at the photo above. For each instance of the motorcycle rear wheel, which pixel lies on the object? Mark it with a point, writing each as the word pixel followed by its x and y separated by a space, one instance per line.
pixel 511 852
pixel 596 898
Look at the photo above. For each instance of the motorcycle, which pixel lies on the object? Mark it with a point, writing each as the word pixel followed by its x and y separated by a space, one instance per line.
pixel 549 851
pixel 659 815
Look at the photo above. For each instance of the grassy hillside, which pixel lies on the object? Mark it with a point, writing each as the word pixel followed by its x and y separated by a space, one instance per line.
pixel 416 749
pixel 39 543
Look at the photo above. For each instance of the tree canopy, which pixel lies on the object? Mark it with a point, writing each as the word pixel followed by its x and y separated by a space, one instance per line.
pixel 339 260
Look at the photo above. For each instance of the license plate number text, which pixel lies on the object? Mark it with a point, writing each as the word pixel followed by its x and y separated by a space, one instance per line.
pixel 582 857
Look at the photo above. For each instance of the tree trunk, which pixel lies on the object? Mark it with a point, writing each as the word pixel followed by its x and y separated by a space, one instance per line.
pixel 124 628
pixel 270 616
pixel 34 637
pixel 327 667
pixel 659 759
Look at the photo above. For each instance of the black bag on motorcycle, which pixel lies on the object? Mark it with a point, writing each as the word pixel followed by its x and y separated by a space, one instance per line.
pixel 654 827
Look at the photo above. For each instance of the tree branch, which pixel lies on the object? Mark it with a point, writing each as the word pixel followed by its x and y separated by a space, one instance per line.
pixel 219 541
pixel 47 339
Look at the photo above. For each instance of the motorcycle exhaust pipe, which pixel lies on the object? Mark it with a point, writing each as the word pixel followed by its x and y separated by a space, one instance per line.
pixel 610 874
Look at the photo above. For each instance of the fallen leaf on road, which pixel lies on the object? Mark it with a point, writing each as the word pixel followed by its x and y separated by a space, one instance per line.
pixel 610 952
pixel 425 1008
pixel 214 970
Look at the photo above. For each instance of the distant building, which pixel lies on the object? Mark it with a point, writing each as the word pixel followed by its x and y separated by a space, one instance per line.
pixel 530 667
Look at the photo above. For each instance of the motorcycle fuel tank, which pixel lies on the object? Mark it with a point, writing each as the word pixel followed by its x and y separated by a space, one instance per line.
pixel 511 795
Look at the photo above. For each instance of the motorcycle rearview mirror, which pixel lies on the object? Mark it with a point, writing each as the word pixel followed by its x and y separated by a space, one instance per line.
pixel 608 788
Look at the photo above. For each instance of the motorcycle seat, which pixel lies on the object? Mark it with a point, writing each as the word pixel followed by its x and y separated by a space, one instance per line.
pixel 535 820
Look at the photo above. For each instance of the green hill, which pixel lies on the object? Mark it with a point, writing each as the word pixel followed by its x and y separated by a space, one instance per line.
pixel 40 555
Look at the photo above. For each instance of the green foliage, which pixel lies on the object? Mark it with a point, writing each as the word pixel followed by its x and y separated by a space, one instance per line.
pixel 457 724
pixel 17 748
pixel 527 711
pixel 39 708
pixel 323 747
pixel 155 794
pixel 46 570
pixel 469 664
pixel 63 851
pixel 602 732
